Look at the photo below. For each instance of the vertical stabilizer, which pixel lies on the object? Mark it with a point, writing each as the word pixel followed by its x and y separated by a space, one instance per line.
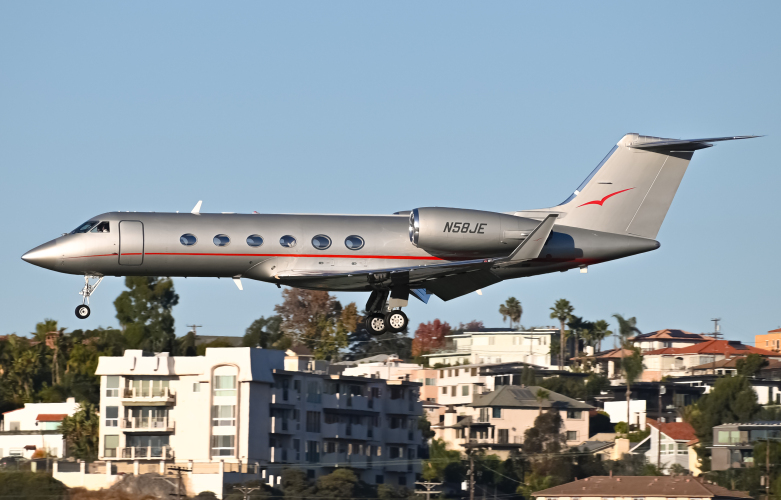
pixel 631 190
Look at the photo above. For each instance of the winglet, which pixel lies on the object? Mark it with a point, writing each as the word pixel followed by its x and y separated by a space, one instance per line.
pixel 531 247
pixel 197 209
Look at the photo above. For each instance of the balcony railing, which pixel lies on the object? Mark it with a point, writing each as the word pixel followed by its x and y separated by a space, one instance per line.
pixel 148 424
pixel 148 395
pixel 147 452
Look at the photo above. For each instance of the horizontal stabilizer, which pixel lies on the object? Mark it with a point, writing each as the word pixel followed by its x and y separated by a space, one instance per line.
pixel 684 144
pixel 531 247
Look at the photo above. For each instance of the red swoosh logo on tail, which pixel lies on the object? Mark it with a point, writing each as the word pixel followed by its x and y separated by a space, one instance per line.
pixel 600 202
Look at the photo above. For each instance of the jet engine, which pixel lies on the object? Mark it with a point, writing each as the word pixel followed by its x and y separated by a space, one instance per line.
pixel 460 233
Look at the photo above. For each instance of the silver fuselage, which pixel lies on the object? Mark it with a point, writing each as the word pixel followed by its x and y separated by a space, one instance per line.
pixel 387 245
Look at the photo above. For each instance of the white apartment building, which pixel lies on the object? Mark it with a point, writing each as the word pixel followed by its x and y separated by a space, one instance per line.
pixel 250 405
pixel 498 345
pixel 391 368
pixel 35 428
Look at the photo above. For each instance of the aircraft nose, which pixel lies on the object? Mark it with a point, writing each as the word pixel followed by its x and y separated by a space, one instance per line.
pixel 44 255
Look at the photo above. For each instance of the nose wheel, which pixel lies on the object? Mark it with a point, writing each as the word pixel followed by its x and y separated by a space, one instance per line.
pixel 82 312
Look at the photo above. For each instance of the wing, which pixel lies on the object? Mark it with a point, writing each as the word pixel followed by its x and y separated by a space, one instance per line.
pixel 446 280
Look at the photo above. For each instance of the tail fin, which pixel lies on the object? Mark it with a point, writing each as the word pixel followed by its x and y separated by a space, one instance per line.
pixel 631 190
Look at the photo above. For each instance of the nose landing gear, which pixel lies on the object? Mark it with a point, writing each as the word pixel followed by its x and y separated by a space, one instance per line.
pixel 83 311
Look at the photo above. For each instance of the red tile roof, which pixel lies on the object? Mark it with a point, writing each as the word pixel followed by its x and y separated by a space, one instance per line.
pixel 679 431
pixel 51 417
pixel 777 330
pixel 726 347
pixel 645 486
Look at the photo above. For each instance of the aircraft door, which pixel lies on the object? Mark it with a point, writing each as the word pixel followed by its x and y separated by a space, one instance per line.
pixel 131 242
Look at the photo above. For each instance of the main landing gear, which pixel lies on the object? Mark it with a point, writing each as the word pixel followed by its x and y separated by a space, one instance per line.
pixel 384 316
pixel 82 311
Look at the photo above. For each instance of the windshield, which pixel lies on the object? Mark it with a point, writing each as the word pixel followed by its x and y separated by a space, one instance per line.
pixel 85 227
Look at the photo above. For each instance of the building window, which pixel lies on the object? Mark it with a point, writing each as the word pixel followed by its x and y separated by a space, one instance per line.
pixel 223 415
pixel 312 451
pixel 575 414
pixel 297 448
pixel 112 386
pixel 313 421
pixel 453 390
pixel 110 445
pixel 313 391
pixel 402 480
pixel 225 385
pixel 223 446
pixel 503 436
pixel 572 435
pixel 474 372
pixel 379 479
pixel 112 416
pixel 465 390
pixel 682 450
pixel 395 452
pixel 431 381
pixel 496 412
pixel 330 447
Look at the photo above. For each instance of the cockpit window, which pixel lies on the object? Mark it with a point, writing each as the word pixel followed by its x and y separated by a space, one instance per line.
pixel 85 227
pixel 102 227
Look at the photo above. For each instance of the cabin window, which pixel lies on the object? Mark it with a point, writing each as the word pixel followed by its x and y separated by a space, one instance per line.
pixel 221 240
pixel 102 227
pixel 287 241
pixel 354 242
pixel 321 242
pixel 188 239
pixel 254 240
pixel 85 227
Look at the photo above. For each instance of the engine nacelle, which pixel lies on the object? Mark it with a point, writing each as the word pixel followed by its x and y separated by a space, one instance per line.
pixel 457 232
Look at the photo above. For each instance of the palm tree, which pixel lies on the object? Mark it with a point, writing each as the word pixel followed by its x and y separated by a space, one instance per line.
pixel 581 329
pixel 627 328
pixel 541 395
pixel 562 311
pixel 511 309
pixel 599 331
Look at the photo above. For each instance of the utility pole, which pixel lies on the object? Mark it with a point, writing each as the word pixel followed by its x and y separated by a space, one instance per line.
pixel 767 468
pixel 428 485
pixel 195 328
pixel 716 328
pixel 179 471
pixel 662 390
pixel 246 490
pixel 471 476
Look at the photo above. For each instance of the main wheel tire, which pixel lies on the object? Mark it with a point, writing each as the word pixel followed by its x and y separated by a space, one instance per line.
pixel 396 321
pixel 376 324
pixel 82 312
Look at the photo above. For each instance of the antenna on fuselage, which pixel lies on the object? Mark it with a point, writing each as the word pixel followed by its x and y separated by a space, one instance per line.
pixel 197 209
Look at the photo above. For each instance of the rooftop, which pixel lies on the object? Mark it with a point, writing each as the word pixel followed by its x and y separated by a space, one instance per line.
pixel 726 347
pixel 679 431
pixel 511 396
pixel 650 486
pixel 671 334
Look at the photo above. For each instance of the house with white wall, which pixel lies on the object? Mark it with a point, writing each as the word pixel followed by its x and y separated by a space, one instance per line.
pixel 668 444
pixel 35 428
pixel 497 345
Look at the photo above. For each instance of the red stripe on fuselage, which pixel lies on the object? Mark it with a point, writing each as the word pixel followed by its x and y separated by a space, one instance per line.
pixel 396 257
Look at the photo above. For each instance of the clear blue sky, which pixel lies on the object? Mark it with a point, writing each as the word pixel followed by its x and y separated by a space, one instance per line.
pixel 374 107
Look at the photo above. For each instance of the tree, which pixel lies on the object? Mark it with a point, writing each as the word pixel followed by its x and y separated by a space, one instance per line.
pixel 632 367
pixel 470 326
pixel 81 432
pixel 541 395
pixel 339 484
pixel 266 333
pixel 295 484
pixel 732 399
pixel 443 464
pixel 750 365
pixel 528 377
pixel 545 436
pixel 429 337
pixel 599 332
pixel 626 328
pixel 562 311
pixel 144 312
pixel 579 328
pixel 317 320
pixel 511 309
pixel 32 485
